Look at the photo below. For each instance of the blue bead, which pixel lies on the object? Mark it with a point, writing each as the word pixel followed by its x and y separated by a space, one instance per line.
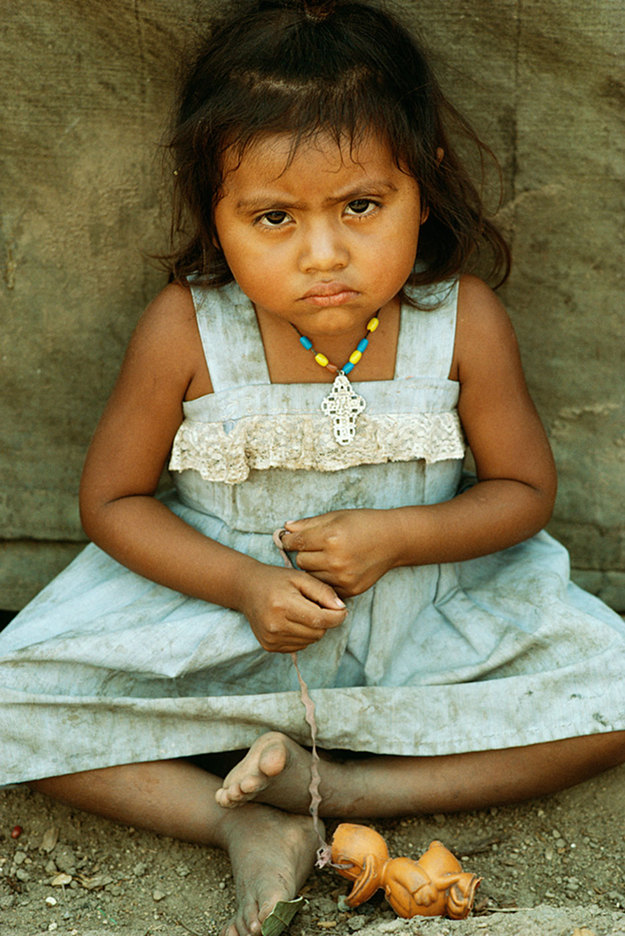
pixel 362 344
pixel 306 342
pixel 348 368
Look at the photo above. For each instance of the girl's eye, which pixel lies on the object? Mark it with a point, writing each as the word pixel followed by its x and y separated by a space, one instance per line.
pixel 362 206
pixel 273 218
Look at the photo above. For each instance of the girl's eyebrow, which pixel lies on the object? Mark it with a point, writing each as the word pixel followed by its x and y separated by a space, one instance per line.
pixel 263 199
pixel 366 187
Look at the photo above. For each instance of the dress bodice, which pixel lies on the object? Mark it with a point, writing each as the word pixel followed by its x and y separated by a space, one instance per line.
pixel 248 428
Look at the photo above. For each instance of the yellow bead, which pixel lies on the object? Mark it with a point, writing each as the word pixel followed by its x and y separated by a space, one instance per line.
pixel 321 359
pixel 372 324
pixel 355 356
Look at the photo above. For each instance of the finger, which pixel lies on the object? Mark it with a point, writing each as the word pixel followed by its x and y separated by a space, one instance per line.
pixel 303 623
pixel 311 561
pixel 302 535
pixel 317 619
pixel 299 636
pixel 294 637
pixel 320 592
pixel 322 575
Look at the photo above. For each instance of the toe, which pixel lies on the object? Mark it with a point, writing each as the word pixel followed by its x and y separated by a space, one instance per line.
pixel 253 783
pixel 229 930
pixel 229 798
pixel 273 759
pixel 249 920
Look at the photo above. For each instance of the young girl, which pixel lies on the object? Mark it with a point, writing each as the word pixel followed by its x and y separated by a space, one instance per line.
pixel 329 228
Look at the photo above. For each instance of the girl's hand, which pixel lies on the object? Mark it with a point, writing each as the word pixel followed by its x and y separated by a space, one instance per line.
pixel 288 609
pixel 348 549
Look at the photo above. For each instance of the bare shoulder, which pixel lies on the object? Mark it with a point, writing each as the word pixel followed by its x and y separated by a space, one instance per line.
pixel 167 336
pixel 484 330
pixel 169 317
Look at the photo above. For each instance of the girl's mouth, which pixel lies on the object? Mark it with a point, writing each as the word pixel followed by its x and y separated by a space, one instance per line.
pixel 329 294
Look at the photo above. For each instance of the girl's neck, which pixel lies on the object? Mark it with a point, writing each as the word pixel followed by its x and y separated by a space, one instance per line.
pixel 289 362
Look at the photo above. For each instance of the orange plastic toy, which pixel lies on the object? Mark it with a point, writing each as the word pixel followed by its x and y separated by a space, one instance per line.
pixel 434 885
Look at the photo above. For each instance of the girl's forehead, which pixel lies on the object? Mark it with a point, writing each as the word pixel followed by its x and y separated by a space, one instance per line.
pixel 276 155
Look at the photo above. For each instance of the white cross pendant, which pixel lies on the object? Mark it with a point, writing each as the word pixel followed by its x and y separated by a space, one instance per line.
pixel 343 405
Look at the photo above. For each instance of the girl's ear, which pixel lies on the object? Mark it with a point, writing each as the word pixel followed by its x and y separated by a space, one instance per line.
pixel 425 211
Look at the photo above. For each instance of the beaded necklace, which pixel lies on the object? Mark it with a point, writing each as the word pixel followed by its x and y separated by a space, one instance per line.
pixel 354 357
pixel 342 404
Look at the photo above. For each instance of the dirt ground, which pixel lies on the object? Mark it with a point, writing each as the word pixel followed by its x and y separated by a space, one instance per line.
pixel 553 867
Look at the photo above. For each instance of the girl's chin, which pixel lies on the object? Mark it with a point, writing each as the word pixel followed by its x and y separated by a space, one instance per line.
pixel 319 320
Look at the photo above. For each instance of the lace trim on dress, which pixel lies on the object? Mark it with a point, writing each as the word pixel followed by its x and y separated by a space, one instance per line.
pixel 227 452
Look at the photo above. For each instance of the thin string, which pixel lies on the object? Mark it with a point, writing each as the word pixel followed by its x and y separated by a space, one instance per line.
pixel 324 851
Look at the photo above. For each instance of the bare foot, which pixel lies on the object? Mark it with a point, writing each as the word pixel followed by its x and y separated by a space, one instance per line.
pixel 275 770
pixel 272 854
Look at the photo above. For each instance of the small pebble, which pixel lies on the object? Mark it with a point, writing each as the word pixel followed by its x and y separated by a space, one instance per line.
pixel 51 901
pixel 617 897
pixel 325 906
pixel 50 839
pixel 356 923
pixel 65 859
pixel 158 895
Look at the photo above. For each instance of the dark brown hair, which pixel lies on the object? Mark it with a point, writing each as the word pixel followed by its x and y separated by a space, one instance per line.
pixel 346 70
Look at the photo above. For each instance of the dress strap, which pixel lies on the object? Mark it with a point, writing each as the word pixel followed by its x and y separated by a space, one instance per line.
pixel 426 337
pixel 230 335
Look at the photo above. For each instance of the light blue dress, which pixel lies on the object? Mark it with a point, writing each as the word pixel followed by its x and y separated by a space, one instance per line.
pixel 105 667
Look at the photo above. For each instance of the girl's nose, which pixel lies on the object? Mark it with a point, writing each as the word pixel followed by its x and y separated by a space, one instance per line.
pixel 322 250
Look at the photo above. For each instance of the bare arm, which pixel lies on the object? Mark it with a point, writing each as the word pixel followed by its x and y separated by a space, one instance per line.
pixel 516 487
pixel 516 475
pixel 164 363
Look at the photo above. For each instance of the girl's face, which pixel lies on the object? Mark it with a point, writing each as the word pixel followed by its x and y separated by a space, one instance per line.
pixel 325 242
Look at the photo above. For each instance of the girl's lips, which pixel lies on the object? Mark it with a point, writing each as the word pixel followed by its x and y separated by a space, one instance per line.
pixel 335 299
pixel 329 294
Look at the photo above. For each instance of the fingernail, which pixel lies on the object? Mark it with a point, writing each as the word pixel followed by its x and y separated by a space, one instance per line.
pixel 339 603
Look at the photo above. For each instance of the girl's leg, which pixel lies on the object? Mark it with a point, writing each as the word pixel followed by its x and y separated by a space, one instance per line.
pixel 272 852
pixel 276 771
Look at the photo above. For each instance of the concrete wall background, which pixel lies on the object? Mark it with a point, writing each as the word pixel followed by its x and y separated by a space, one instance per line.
pixel 85 90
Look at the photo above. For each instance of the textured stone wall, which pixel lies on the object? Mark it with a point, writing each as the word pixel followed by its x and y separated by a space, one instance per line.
pixel 85 90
